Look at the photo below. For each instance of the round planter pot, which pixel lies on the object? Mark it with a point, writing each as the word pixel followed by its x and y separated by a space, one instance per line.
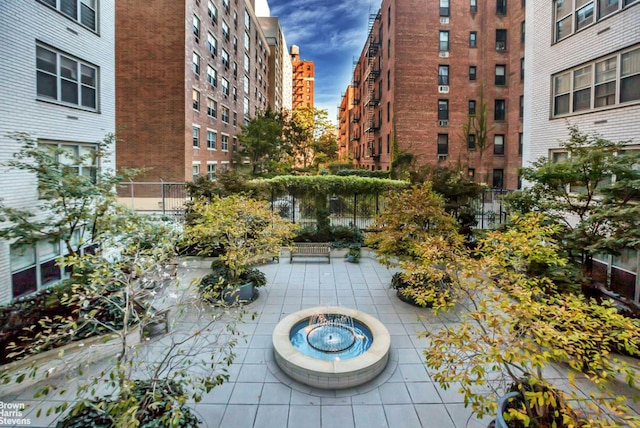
pixel 352 259
pixel 499 421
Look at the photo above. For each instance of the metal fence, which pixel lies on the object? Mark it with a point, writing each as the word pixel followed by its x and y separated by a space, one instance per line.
pixel 163 197
pixel 490 209
pixel 356 211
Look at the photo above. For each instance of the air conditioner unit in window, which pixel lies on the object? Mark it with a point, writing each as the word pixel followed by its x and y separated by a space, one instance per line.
pixel 501 46
pixel 443 89
pixel 442 158
pixel 443 123
pixel 444 20
pixel 443 54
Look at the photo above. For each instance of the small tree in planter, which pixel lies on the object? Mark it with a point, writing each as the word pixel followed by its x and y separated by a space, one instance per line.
pixel 413 224
pixel 247 230
pixel 509 333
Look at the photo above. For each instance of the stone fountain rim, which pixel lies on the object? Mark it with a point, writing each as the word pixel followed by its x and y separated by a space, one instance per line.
pixel 285 352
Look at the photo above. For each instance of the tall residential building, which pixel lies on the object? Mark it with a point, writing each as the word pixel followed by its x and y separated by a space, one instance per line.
pixel 583 68
pixel 344 123
pixel 303 78
pixel 427 70
pixel 186 80
pixel 279 67
pixel 58 68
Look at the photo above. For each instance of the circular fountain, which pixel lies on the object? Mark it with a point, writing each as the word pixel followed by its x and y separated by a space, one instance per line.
pixel 331 347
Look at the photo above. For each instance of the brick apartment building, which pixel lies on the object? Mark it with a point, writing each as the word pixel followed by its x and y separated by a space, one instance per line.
pixel 425 69
pixel 583 68
pixel 58 69
pixel 279 66
pixel 344 123
pixel 303 78
pixel 188 74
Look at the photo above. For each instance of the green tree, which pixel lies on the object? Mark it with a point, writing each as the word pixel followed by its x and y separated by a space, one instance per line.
pixel 73 207
pixel 304 128
pixel 592 192
pixel 262 140
pixel 325 148
pixel 477 125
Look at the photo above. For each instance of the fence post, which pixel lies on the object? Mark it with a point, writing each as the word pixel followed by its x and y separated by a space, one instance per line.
pixel 293 209
pixel 355 209
pixel 484 192
pixel 162 192
pixel 133 205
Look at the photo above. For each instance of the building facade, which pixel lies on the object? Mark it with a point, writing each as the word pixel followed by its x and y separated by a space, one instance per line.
pixel 303 80
pixel 344 123
pixel 58 69
pixel 186 80
pixel 427 70
pixel 583 68
pixel 279 94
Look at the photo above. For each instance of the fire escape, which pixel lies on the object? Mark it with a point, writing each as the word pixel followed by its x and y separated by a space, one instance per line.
pixel 371 98
pixel 355 118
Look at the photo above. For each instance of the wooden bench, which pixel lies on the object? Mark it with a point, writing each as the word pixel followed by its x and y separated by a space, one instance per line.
pixel 310 249
pixel 150 316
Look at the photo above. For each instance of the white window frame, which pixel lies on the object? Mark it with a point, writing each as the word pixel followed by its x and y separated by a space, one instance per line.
pixel 224 142
pixel 77 15
pixel 211 170
pixel 212 108
pixel 212 44
pixel 212 76
pixel 195 133
pixel 224 116
pixel 50 65
pixel 212 139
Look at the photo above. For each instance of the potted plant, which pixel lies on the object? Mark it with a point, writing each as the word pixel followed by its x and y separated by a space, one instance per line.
pixel 512 324
pixel 248 231
pixel 353 255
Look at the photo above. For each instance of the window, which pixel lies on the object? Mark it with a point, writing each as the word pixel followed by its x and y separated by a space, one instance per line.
pixel 246 84
pixel 471 141
pixel 499 111
pixel 225 30
pixel 79 157
pixel 225 114
pixel 444 41
pixel 388 112
pixel 443 75
pixel 573 90
pixel 234 144
pixel 82 11
pixel 225 4
pixel 212 76
pixel 389 17
pixel 224 143
pixel 584 13
pixel 195 171
pixel 247 107
pixel 235 19
pixel 196 27
pixel 472 107
pixel 34 267
pixel 501 40
pixel 211 171
pixel 444 7
pixel 498 178
pixel 196 99
pixel 605 7
pixel 247 63
pixel 196 135
pixel 563 17
pixel 211 139
pixel 522 32
pixel 472 72
pixel 501 7
pixel 65 79
pixel 234 91
pixel 388 143
pixel 388 48
pixel 473 6
pixel 500 78
pixel 247 41
pixel 247 20
pixel 212 10
pixel 212 108
pixel 225 86
pixel 196 63
pixel 473 39
pixel 520 143
pixel 569 19
pixel 225 58
pixel 212 44
pixel 521 68
pixel 235 118
pixel 235 44
pixel 521 110
pixel 443 109
pixel 630 76
pixel 471 172
pixel 388 80
pixel 498 144
pixel 443 144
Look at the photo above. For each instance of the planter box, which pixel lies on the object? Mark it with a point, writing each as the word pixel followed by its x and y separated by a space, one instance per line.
pixel 64 359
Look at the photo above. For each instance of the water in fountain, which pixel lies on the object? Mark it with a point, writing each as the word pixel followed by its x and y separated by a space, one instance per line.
pixel 331 337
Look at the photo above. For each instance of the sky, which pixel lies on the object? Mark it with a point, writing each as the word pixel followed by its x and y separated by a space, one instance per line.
pixel 330 33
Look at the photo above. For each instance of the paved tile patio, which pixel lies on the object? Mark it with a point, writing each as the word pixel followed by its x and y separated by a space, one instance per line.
pixel 260 395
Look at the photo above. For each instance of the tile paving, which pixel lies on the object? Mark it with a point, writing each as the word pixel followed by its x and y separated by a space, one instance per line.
pixel 258 394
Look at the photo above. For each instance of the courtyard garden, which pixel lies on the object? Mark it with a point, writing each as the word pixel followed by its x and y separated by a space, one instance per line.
pixel 473 316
